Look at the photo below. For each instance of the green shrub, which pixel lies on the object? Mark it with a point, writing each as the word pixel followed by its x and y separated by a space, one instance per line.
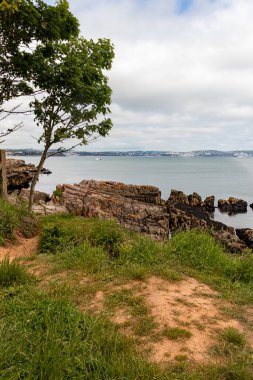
pixel 9 220
pixel 12 273
pixel 16 217
pixel 106 234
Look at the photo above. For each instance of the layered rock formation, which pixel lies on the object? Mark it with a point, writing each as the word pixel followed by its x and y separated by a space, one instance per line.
pixel 20 174
pixel 139 208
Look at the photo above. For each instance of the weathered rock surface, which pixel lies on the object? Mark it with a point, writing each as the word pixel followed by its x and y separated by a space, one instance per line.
pixel 232 205
pixel 246 235
pixel 209 203
pixel 39 196
pixel 138 208
pixel 183 217
pixel 20 174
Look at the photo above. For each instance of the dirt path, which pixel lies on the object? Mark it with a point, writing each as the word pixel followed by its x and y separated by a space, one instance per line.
pixel 22 248
pixel 186 304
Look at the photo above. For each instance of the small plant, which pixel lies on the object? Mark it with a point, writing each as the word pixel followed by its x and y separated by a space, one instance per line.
pixel 174 333
pixel 12 273
pixel 58 193
pixel 107 235
pixel 233 337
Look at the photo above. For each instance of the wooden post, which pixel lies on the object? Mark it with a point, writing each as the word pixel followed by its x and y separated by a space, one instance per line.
pixel 3 177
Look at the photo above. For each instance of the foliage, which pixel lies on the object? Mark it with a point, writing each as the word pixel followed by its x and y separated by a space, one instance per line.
pixel 74 94
pixel 24 26
pixel 9 220
pixel 13 273
pixel 14 218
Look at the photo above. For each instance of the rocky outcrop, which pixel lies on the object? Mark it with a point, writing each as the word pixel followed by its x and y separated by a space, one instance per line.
pixel 39 196
pixel 20 174
pixel 183 216
pixel 246 235
pixel 232 205
pixel 209 203
pixel 139 208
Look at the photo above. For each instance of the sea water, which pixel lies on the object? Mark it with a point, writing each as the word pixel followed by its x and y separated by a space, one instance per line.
pixel 219 176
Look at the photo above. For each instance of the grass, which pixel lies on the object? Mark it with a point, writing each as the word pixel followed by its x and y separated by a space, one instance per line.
pixel 13 218
pixel 13 273
pixel 175 333
pixel 44 336
pixel 106 250
pixel 233 337
pixel 47 338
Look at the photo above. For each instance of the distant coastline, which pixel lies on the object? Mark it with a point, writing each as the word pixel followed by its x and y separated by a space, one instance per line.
pixel 144 153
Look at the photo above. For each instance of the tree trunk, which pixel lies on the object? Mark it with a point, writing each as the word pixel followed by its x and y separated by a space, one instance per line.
pixel 36 177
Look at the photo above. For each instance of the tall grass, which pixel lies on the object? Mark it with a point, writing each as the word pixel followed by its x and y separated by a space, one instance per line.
pixel 13 273
pixel 15 217
pixel 43 338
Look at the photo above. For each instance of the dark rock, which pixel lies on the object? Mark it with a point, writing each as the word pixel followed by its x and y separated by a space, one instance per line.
pixel 232 205
pixel 19 174
pixel 138 208
pixel 195 200
pixel 251 205
pixel 209 203
pixel 178 197
pixel 246 235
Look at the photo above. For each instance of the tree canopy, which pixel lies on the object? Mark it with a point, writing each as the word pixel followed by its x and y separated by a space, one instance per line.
pixel 24 26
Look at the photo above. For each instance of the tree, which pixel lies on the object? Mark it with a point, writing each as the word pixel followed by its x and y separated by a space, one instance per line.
pixel 76 95
pixel 24 26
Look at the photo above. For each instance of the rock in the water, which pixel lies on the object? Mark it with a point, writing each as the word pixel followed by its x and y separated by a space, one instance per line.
pixel 232 205
pixel 19 174
pixel 251 205
pixel 138 208
pixel 209 203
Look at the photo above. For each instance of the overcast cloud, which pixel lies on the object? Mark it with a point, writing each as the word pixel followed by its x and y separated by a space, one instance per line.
pixel 182 77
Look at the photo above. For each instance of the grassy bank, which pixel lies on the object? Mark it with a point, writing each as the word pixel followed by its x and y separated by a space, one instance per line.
pixel 49 328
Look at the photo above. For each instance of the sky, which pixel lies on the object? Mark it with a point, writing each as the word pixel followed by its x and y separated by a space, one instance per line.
pixel 182 77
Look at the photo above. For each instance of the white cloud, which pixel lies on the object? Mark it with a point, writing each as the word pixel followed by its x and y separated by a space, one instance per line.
pixel 180 82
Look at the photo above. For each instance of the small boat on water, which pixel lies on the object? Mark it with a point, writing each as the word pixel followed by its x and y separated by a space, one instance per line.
pixel 98 158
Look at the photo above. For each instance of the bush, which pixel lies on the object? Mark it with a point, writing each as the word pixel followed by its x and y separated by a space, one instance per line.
pixel 12 273
pixel 106 234
pixel 15 217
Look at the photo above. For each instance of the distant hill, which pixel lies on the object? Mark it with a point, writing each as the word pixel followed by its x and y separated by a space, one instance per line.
pixel 144 153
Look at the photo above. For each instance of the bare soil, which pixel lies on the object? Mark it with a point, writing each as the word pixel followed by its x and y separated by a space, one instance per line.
pixel 22 248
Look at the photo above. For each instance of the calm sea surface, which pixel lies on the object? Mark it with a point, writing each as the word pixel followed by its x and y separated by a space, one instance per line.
pixel 219 176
